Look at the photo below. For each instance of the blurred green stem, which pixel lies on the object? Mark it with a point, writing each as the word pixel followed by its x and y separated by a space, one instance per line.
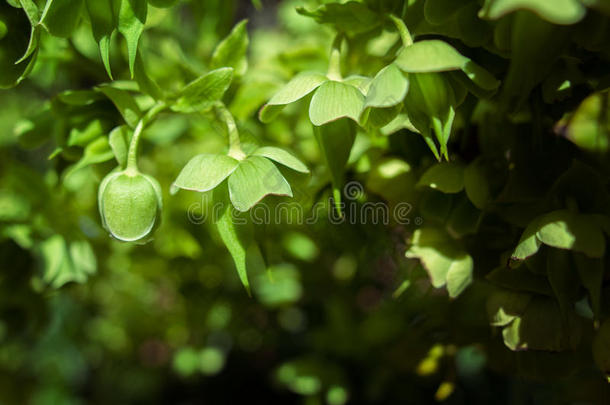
pixel 225 116
pixel 132 154
pixel 403 31
pixel 334 63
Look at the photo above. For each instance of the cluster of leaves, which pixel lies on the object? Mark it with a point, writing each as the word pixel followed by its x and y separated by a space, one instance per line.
pixel 490 118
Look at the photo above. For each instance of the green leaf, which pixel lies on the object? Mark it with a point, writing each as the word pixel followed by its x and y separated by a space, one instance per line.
pixel 335 140
pixel 588 127
pixel 520 279
pixel 542 327
pixel 443 259
pixel 64 263
pixel 601 348
pixel 13 45
pixel 504 306
pixel 202 93
pixel 446 177
pixel 352 17
pixel 205 172
pixel 563 279
pixel 297 88
pixel 81 136
pixel 459 275
pixel 440 11
pixel 119 143
pixel 438 56
pixel 231 51
pixel 132 17
pixel 528 244
pixel 556 11
pixel 97 151
pixel 162 3
pixel 60 17
pixel 388 88
pixel 477 184
pixel 235 241
pixel 145 82
pixel 124 102
pixel 591 273
pixel 281 156
pixel 103 23
pixel 334 100
pixel 565 229
pixel 253 179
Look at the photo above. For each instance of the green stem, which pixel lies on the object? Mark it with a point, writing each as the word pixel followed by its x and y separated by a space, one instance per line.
pixel 334 63
pixel 403 31
pixel 225 115
pixel 132 154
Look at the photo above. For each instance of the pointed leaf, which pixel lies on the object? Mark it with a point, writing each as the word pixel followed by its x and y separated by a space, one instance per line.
pixel 230 236
pixel 204 172
pixel 202 93
pixel 231 51
pixel 119 143
pixel 124 102
pixel 388 88
pixel 60 17
pixel 565 229
pixel 132 17
pixel 253 179
pixel 297 88
pixel 528 244
pixel 281 156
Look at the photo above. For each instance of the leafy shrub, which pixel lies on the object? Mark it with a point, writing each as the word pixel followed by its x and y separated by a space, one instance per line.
pixel 414 194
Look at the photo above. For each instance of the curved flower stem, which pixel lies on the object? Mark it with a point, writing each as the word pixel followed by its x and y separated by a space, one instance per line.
pixel 225 116
pixel 334 63
pixel 403 31
pixel 132 154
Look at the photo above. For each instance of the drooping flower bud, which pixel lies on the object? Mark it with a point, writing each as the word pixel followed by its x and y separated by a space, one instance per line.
pixel 130 205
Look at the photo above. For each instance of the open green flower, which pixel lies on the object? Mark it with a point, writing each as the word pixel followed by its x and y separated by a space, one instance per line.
pixel 332 99
pixel 250 178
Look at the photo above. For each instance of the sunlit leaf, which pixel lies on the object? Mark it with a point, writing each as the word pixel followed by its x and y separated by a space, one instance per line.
pixel 204 172
pixel 204 92
pixel 335 100
pixel 281 156
pixel 253 179
pixel 231 51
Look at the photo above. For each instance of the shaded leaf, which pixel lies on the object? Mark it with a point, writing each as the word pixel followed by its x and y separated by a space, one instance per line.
pixel 556 11
pixel 231 51
pixel 124 102
pixel 446 177
pixel 438 56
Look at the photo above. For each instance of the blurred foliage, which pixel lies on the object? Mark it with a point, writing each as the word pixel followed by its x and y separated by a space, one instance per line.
pixel 482 126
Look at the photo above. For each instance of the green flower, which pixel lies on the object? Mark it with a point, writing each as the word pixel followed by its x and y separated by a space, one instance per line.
pixel 250 178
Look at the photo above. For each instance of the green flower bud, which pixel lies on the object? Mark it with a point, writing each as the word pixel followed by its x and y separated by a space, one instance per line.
pixel 130 205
